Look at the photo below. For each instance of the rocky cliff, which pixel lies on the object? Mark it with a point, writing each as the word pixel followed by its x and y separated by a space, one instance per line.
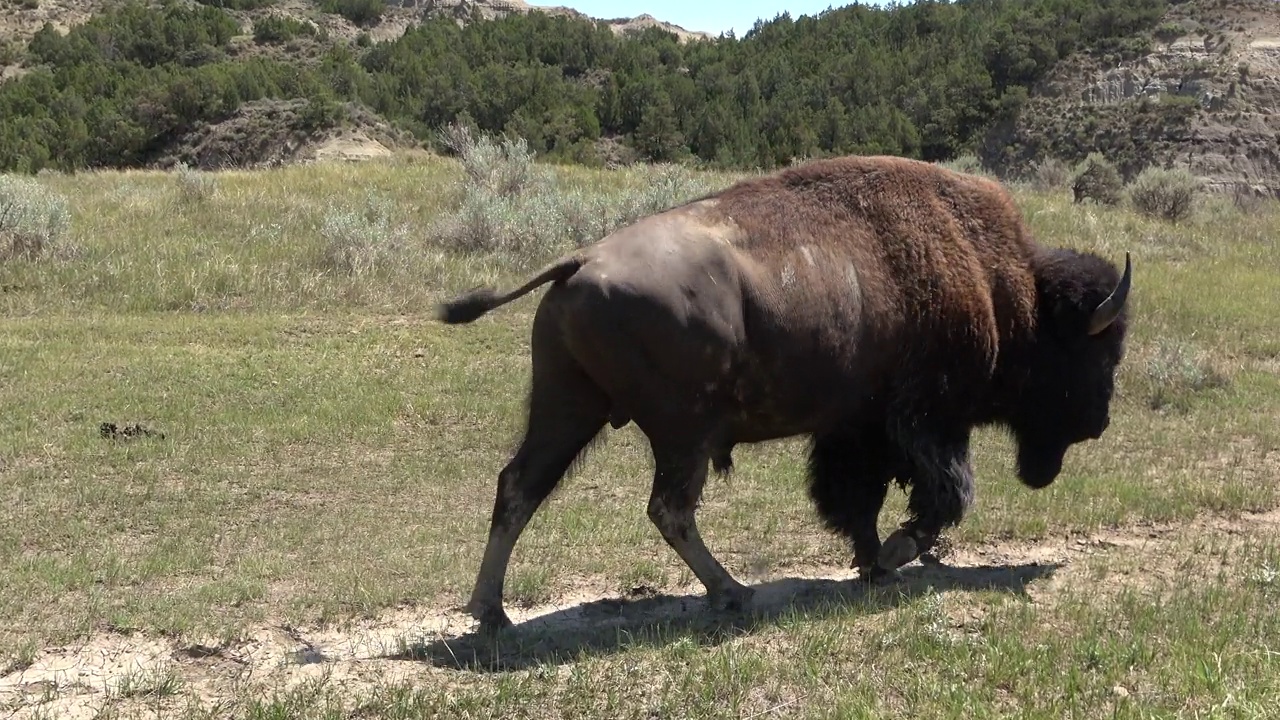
pixel 1205 97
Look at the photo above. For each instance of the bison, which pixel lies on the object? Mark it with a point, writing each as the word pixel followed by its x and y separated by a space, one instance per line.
pixel 884 307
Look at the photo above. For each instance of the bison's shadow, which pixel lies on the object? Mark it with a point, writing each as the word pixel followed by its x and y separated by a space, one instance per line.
pixel 612 625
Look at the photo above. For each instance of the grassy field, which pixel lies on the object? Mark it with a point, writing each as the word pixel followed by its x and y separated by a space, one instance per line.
pixel 323 460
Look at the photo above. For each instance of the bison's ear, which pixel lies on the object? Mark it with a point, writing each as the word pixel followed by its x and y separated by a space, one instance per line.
pixel 1109 309
pixel 1072 304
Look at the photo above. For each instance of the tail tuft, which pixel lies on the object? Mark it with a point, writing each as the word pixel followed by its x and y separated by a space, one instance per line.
pixel 468 306
pixel 479 300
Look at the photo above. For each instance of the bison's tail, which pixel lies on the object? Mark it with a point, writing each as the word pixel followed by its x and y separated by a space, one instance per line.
pixel 476 302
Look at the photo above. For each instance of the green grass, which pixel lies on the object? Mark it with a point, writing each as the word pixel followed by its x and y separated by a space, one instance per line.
pixel 329 453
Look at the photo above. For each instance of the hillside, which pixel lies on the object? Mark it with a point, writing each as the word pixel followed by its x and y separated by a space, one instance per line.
pixel 272 129
pixel 1205 97
pixel 22 18
pixel 1193 84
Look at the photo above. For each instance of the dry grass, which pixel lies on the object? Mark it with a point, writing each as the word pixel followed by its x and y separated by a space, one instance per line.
pixel 329 456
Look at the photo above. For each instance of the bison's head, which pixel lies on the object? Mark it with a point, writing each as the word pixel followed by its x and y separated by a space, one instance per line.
pixel 1069 376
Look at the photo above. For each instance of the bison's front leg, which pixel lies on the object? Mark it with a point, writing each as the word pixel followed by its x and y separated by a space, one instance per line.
pixel 941 493
pixel 849 475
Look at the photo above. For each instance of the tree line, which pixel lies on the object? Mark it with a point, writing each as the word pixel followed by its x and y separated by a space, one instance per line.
pixel 921 80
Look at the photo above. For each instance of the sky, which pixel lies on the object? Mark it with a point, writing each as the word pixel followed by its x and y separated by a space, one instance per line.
pixel 712 16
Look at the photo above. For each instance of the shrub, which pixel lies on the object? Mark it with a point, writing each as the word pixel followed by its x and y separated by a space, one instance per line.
pixel 363 242
pixel 1246 199
pixel 1098 180
pixel 238 4
pixel 504 167
pixel 667 186
pixel 510 208
pixel 33 219
pixel 10 53
pixel 360 12
pixel 1167 194
pixel 1176 371
pixel 1050 174
pixel 278 29
pixel 968 164
pixel 194 185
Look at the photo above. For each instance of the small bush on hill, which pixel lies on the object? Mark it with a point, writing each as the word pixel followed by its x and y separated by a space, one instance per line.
pixel 1167 194
pixel 360 12
pixel 1098 180
pixel 10 53
pixel 1246 199
pixel 278 29
pixel 33 219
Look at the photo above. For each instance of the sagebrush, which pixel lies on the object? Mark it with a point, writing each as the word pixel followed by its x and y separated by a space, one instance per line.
pixel 1096 178
pixel 1167 194
pixel 512 206
pixel 33 219
pixel 365 240
pixel 1049 174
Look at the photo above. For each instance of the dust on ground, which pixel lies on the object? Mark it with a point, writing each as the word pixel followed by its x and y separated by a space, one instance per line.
pixel 432 643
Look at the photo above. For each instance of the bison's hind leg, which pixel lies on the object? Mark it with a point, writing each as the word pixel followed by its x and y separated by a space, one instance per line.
pixel 566 413
pixel 680 472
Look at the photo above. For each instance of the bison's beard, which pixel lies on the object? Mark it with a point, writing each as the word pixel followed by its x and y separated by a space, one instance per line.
pixel 1039 463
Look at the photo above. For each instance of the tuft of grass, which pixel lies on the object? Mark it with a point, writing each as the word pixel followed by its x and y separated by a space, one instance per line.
pixel 1176 371
pixel 33 219
pixel 20 658
pixel 160 682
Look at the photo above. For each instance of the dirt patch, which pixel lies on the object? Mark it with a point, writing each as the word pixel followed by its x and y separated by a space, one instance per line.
pixel 351 145
pixel 419 643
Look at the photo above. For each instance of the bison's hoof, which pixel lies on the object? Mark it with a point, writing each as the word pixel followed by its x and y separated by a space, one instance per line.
pixel 733 599
pixel 876 575
pixel 492 618
pixel 898 550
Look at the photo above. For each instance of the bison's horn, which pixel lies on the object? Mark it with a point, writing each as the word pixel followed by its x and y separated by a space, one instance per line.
pixel 1108 310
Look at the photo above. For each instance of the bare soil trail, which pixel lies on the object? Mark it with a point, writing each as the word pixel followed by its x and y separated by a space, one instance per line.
pixel 426 645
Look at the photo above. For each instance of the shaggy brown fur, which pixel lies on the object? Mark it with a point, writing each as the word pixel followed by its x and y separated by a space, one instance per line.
pixel 882 306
